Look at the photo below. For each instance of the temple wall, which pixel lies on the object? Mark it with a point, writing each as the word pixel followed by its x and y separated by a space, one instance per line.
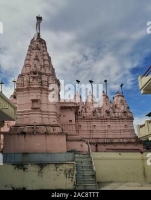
pixel 67 116
pixel 103 128
pixel 77 145
pixel 67 121
pixel 121 167
pixel 1 142
pixel 131 147
pixel 34 107
pixel 34 143
pixel 7 125
pixel 109 147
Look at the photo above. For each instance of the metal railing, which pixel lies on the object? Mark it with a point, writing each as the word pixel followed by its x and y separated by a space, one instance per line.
pixel 148 72
pixel 90 152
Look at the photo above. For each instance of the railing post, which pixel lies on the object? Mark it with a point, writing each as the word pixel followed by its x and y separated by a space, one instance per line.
pixel 90 152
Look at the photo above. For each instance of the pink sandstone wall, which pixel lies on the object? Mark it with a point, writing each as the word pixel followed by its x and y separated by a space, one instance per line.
pixel 101 147
pixel 7 126
pixel 67 121
pixel 34 143
pixel 1 142
pixel 77 145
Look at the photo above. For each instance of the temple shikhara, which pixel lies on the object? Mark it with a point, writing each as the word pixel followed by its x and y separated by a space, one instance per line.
pixel 44 126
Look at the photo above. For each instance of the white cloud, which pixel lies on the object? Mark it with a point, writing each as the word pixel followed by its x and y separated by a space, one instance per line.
pixel 85 39
pixel 8 90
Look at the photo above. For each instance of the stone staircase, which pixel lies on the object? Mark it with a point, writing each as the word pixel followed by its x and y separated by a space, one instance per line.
pixel 85 174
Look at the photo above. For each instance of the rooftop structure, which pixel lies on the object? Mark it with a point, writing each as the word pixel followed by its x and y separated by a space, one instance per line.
pixel 144 130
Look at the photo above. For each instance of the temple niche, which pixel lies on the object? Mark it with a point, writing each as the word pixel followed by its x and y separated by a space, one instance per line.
pixel 46 123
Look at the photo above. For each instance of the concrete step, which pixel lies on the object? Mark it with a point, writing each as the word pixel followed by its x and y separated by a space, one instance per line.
pixel 85 162
pixel 86 181
pixel 82 155
pixel 86 187
pixel 81 159
pixel 86 171
pixel 80 167
pixel 85 176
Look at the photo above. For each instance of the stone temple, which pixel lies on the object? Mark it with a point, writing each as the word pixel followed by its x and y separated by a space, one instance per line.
pixel 44 125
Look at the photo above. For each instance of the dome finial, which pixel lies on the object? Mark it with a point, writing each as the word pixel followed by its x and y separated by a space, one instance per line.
pixel 39 19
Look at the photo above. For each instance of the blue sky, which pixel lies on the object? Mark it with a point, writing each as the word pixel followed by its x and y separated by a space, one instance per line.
pixel 98 40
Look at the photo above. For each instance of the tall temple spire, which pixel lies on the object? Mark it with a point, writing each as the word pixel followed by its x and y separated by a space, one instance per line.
pixel 36 77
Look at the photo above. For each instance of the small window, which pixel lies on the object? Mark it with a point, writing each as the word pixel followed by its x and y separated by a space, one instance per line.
pixel 70 121
pixel 35 104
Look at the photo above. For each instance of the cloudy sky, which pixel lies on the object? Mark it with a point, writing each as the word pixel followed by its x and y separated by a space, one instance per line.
pixel 86 39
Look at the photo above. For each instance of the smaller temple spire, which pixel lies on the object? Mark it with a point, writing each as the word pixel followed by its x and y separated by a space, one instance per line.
pixel 104 100
pixel 91 82
pixel 77 97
